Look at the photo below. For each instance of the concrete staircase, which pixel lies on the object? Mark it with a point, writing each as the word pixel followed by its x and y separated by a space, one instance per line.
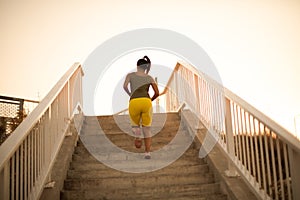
pixel 123 173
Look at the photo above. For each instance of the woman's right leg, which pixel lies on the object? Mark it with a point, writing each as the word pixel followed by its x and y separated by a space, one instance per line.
pixel 146 122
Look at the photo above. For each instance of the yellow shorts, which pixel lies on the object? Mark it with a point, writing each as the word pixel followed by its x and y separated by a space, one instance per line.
pixel 140 111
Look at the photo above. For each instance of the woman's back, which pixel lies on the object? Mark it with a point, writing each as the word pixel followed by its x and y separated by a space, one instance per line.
pixel 139 85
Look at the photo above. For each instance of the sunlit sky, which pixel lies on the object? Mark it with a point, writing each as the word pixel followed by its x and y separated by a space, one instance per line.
pixel 254 44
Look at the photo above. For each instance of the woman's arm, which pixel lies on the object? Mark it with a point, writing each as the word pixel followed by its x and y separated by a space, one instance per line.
pixel 125 85
pixel 156 91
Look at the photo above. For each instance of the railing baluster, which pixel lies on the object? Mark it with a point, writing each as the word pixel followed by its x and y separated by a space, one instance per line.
pixel 12 175
pixel 257 155
pixel 252 138
pixel 295 172
pixel 248 137
pixel 282 193
pixel 243 134
pixel 236 135
pixel 274 170
pixel 30 165
pixel 287 171
pixel 26 172
pixel 202 94
pixel 5 182
pixel 251 150
pixel 21 171
pixel 269 186
pixel 229 138
pixel 240 136
pixel 18 172
pixel 262 156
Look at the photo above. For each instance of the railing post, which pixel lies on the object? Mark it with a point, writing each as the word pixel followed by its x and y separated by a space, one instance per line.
pixel 4 182
pixel 196 88
pixel 294 158
pixel 69 103
pixel 231 172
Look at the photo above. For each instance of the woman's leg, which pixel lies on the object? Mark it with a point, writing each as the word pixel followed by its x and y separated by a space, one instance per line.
pixel 135 117
pixel 136 131
pixel 147 139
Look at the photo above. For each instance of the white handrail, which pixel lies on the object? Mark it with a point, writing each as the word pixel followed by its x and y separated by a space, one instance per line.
pixel 266 155
pixel 27 156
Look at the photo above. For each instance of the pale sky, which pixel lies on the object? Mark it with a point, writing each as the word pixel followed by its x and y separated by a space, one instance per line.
pixel 254 44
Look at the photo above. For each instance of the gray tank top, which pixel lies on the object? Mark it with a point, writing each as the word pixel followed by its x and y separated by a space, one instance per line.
pixel 139 85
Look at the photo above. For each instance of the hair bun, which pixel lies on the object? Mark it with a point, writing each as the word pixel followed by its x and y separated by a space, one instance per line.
pixel 147 59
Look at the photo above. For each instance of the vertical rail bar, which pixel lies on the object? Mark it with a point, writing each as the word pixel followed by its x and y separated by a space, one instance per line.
pixel 248 137
pixel 236 133
pixel 269 185
pixel 229 138
pixel 295 172
pixel 282 193
pixel 35 171
pixel 5 182
pixel 33 159
pixel 287 168
pixel 196 85
pixel 274 165
pixel 240 149
pixel 252 137
pixel 17 172
pixel 262 157
pixel 244 135
pixel 12 175
pixel 21 171
pixel 257 148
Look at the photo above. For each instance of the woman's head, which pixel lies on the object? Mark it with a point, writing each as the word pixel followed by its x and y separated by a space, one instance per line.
pixel 144 63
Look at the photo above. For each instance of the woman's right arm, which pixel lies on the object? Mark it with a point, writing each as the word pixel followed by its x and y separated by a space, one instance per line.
pixel 125 85
pixel 155 89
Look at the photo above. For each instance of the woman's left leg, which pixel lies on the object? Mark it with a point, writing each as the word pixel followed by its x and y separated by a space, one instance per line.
pixel 147 138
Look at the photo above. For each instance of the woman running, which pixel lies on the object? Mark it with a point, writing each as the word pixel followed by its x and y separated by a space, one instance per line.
pixel 140 104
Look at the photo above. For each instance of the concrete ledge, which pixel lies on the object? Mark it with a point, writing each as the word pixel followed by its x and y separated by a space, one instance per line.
pixel 61 166
pixel 234 187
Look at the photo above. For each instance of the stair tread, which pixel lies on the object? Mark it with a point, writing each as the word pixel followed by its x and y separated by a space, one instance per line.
pixel 188 191
pixel 108 172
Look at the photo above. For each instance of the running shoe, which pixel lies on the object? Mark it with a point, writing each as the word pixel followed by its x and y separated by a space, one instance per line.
pixel 147 155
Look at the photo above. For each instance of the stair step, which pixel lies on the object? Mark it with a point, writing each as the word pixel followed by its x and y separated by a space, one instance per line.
pixel 128 144
pixel 122 156
pixel 82 150
pixel 112 129
pixel 94 163
pixel 177 192
pixel 90 172
pixel 136 180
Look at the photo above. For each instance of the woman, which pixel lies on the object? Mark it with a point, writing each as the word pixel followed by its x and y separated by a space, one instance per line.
pixel 140 104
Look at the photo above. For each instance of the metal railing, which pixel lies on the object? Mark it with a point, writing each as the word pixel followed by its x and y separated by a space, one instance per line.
pixel 12 112
pixel 265 154
pixel 28 155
